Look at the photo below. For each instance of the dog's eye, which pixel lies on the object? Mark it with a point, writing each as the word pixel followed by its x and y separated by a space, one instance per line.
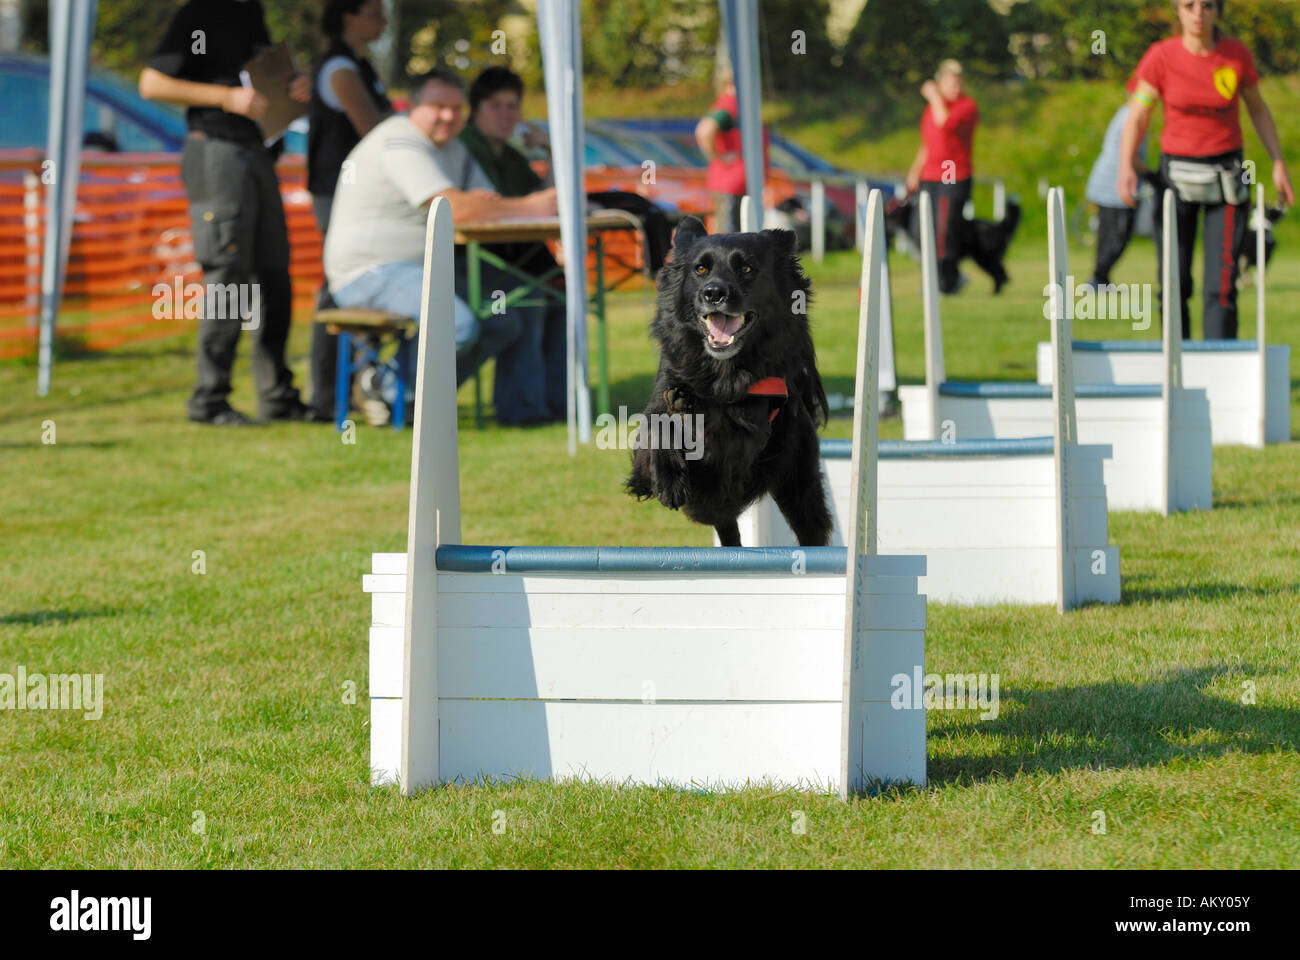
pixel 746 270
pixel 701 269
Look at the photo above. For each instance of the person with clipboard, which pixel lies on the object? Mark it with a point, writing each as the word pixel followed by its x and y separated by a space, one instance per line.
pixel 237 217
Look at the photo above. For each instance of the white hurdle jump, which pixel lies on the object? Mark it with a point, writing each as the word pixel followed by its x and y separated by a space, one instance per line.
pixel 690 666
pixel 1159 431
pixel 999 521
pixel 1248 382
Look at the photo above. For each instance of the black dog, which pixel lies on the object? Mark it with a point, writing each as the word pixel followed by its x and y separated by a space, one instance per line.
pixel 737 357
pixel 983 241
pixel 1246 252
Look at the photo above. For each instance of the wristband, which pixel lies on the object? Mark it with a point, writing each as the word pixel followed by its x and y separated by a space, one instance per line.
pixel 1144 98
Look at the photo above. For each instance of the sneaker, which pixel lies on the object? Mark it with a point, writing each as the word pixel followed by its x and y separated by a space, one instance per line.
pixel 377 411
pixel 230 417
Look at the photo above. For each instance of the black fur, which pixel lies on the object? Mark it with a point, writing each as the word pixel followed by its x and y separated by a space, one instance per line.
pixel 745 455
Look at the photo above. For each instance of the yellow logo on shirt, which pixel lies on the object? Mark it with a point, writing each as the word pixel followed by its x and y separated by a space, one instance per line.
pixel 1225 81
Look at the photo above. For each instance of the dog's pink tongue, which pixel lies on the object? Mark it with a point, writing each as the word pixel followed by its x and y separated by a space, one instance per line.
pixel 723 325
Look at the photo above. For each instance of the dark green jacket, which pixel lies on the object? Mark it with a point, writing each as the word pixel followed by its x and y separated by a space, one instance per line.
pixel 509 172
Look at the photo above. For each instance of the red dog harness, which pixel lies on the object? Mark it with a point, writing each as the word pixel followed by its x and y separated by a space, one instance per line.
pixel 770 387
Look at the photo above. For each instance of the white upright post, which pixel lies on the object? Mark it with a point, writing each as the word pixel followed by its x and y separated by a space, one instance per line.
pixel 860 539
pixel 1065 427
pixel 888 378
pixel 934 374
pixel 818 221
pixel 434 514
pixel 1261 234
pixel 748 217
pixel 999 200
pixel 1171 375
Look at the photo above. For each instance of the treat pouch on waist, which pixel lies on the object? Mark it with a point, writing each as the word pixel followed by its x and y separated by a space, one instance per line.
pixel 1208 182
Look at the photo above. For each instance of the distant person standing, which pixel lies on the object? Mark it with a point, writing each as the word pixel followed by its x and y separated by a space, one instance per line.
pixel 942 167
pixel 347 102
pixel 718 134
pixel 236 214
pixel 1114 219
pixel 1203 76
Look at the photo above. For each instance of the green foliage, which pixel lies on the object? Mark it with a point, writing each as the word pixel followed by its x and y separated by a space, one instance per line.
pixel 899 44
pixel 128 31
pixel 648 42
pixel 1066 39
pixel 460 36
pixel 803 61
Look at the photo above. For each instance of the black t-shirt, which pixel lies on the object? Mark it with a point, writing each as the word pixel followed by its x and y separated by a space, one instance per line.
pixel 209 41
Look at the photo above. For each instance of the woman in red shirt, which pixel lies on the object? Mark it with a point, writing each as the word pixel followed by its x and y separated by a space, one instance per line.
pixel 1202 76
pixel 942 167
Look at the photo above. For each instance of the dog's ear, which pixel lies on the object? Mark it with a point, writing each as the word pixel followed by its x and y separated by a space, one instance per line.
pixel 784 242
pixel 689 230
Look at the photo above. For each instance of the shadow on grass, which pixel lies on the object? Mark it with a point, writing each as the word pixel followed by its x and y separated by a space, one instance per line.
pixel 1117 724
pixel 39 618
pixel 1199 591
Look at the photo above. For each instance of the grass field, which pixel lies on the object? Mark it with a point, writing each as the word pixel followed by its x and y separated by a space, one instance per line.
pixel 227 738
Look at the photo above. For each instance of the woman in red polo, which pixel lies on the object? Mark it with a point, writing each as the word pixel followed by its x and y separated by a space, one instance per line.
pixel 942 167
pixel 1202 76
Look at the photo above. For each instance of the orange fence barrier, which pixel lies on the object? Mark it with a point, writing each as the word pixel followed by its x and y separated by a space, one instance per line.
pixel 131 231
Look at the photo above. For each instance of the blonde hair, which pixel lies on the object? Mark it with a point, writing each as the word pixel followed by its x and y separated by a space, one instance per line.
pixel 948 66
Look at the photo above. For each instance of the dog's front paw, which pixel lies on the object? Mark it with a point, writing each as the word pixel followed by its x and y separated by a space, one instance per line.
pixel 670 480
pixel 679 400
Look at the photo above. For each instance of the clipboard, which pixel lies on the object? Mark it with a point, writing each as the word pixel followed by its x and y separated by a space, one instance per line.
pixel 270 73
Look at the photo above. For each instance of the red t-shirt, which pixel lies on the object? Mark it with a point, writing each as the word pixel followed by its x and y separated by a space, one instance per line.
pixel 729 177
pixel 1201 94
pixel 952 141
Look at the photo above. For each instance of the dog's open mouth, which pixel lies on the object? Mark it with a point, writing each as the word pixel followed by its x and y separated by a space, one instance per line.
pixel 722 330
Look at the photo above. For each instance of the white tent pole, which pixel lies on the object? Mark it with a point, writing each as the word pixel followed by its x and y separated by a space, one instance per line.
pixel 561 42
pixel 71 26
pixel 1261 236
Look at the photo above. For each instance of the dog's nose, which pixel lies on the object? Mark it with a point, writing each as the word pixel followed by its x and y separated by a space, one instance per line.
pixel 714 293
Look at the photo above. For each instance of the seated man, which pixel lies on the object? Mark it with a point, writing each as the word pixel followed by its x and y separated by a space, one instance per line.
pixel 494 113
pixel 374 249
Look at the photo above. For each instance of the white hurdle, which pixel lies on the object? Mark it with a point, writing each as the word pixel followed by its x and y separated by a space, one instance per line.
pixel 1159 431
pixel 999 521
pixel 684 666
pixel 1247 382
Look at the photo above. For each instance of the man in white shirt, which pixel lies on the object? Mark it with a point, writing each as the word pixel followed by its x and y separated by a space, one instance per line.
pixel 374 249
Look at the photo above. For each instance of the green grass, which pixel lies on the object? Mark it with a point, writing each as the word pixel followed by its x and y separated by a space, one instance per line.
pixel 225 692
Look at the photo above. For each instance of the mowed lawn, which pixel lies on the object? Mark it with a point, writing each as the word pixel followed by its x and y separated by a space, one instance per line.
pixel 230 739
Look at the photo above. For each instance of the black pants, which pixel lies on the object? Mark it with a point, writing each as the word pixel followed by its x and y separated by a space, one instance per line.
pixel 1225 226
pixel 240 237
pixel 1114 229
pixel 948 201
pixel 324 345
